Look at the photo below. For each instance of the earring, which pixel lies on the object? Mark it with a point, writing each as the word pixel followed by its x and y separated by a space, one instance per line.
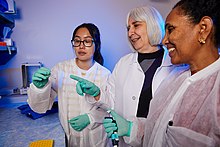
pixel 201 41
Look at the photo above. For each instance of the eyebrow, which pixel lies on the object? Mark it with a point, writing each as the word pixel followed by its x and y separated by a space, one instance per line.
pixel 83 37
pixel 135 22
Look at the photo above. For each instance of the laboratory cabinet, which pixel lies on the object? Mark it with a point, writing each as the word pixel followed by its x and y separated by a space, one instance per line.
pixel 8 50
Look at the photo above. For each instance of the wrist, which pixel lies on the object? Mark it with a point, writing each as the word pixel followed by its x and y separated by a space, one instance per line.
pixel 97 93
pixel 97 98
pixel 129 129
pixel 89 118
pixel 40 84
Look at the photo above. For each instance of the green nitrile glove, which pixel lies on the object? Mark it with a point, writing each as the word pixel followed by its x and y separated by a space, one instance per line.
pixel 109 126
pixel 85 86
pixel 40 77
pixel 80 122
pixel 124 126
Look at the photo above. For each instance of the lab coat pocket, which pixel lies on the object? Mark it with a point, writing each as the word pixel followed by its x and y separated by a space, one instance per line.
pixel 98 137
pixel 181 137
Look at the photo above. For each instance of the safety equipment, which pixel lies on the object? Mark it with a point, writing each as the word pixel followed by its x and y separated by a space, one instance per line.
pixel 40 77
pixel 80 122
pixel 60 86
pixel 124 126
pixel 109 126
pixel 120 83
pixel 85 86
pixel 114 135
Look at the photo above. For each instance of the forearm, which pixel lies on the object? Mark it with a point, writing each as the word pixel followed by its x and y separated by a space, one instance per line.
pixel 137 132
pixel 105 102
pixel 96 117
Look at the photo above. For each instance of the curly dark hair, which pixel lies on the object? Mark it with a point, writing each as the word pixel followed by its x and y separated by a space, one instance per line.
pixel 196 9
pixel 94 32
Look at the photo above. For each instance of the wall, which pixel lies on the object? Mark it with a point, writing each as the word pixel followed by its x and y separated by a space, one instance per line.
pixel 43 29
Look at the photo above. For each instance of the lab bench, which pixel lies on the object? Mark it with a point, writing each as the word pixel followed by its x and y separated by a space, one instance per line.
pixel 18 130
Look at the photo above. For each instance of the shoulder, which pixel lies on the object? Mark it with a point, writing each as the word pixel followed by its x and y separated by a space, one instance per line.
pixel 65 64
pixel 125 62
pixel 102 68
pixel 129 58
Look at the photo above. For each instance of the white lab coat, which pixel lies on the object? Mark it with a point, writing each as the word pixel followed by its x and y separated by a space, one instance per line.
pixel 191 102
pixel 71 104
pixel 125 84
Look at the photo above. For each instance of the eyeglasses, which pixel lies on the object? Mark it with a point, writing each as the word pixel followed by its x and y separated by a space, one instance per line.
pixel 86 43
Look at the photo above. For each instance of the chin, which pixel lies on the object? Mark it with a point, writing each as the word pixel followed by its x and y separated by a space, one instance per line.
pixel 173 61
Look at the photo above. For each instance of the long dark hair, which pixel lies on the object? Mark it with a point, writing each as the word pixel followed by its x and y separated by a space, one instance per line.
pixel 94 32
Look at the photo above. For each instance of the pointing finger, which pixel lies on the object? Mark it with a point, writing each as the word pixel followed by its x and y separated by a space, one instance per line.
pixel 76 78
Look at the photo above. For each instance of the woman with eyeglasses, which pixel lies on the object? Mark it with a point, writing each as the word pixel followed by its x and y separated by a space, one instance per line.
pixel 80 120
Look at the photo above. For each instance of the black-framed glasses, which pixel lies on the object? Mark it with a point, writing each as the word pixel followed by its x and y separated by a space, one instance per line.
pixel 86 42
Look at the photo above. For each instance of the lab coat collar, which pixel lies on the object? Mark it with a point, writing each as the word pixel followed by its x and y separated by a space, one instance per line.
pixel 214 67
pixel 165 62
pixel 135 58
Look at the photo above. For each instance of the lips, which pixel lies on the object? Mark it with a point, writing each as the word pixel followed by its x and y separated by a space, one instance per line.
pixel 134 40
pixel 81 53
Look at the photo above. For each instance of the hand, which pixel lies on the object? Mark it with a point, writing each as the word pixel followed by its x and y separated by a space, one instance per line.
pixel 40 77
pixel 85 86
pixel 124 126
pixel 80 122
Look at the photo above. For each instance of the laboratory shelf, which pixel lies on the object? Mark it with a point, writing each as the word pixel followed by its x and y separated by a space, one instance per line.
pixel 7 20
pixel 6 53
pixel 8 48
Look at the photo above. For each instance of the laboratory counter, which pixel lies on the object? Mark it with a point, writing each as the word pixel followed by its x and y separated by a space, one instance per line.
pixel 18 130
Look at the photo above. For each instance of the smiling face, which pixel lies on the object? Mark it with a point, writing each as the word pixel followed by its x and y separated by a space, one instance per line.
pixel 137 34
pixel 181 38
pixel 82 52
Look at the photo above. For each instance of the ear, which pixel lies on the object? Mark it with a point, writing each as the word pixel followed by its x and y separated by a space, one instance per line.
pixel 206 25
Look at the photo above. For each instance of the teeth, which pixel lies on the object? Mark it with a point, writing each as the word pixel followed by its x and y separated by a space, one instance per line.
pixel 133 40
pixel 171 49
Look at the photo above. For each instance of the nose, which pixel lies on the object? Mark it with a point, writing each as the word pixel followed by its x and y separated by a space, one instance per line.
pixel 130 31
pixel 81 45
pixel 165 40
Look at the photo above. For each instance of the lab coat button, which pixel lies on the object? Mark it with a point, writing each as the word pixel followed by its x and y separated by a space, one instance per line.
pixel 133 97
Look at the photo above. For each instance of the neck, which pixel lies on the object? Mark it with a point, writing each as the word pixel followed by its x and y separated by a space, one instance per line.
pixel 203 60
pixel 150 49
pixel 85 65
